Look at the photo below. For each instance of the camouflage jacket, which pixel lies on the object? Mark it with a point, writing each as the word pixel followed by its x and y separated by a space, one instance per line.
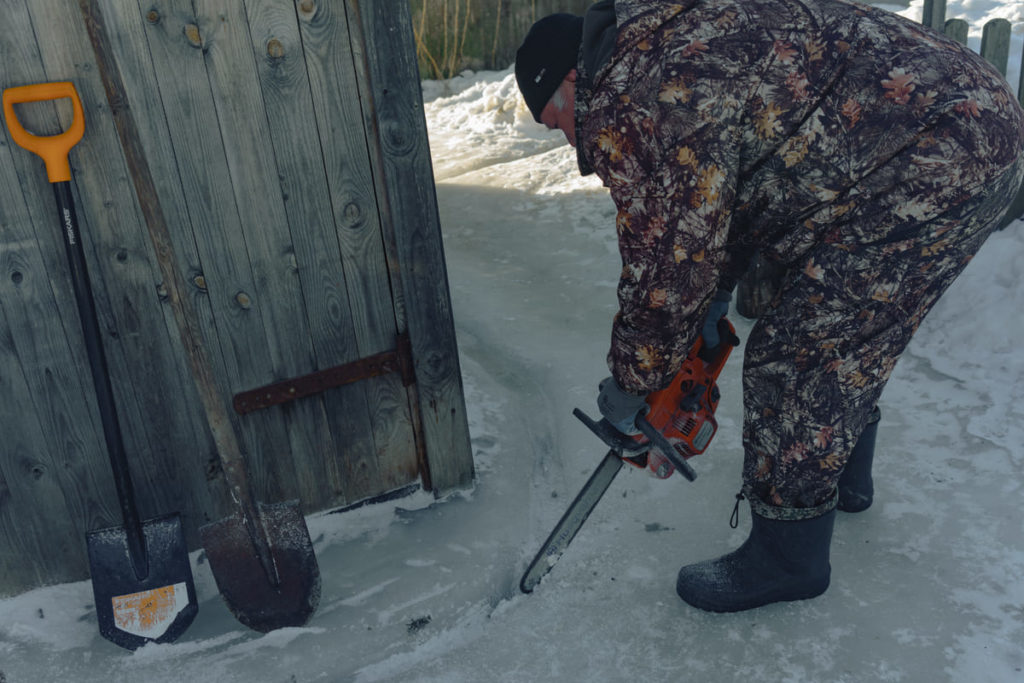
pixel 725 126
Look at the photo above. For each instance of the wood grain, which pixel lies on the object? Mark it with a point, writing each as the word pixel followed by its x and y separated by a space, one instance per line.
pixel 387 459
pixel 393 103
pixel 295 184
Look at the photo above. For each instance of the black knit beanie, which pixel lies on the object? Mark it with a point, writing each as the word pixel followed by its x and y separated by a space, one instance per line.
pixel 547 54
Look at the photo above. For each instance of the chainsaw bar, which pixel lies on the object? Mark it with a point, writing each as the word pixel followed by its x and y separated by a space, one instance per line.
pixel 622 447
pixel 678 423
pixel 563 533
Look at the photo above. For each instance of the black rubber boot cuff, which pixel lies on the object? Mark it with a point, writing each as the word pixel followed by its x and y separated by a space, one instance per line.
pixel 856 488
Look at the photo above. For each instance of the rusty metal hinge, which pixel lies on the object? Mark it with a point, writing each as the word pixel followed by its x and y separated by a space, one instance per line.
pixel 399 360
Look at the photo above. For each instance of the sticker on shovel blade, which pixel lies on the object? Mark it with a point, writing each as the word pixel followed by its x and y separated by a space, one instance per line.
pixel 149 614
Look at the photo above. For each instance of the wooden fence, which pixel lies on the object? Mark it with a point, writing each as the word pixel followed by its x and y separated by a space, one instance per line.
pixel 452 35
pixel 289 149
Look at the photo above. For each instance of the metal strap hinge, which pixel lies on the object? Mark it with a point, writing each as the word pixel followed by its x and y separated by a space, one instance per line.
pixel 399 360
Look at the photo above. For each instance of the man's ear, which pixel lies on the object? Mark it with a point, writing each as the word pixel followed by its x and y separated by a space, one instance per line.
pixel 571 76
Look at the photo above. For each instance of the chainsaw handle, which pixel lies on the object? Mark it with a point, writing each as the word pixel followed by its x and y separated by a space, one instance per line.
pixel 711 355
pixel 53 149
pixel 666 447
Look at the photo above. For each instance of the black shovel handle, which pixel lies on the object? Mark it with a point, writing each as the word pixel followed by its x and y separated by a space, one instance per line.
pixel 98 365
pixel 54 151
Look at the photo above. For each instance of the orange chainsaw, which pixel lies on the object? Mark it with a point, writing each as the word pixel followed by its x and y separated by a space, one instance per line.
pixel 678 423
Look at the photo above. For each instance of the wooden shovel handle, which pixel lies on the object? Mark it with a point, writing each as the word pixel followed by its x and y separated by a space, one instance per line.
pixel 225 439
pixel 53 149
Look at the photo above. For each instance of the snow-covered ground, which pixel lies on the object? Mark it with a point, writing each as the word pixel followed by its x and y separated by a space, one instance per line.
pixel 927 584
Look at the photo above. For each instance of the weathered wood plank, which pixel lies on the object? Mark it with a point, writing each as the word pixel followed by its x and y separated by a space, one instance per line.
pixel 193 444
pixel 336 105
pixel 32 505
pixel 177 40
pixel 957 29
pixel 933 14
pixel 39 542
pixel 155 412
pixel 277 45
pixel 235 86
pixel 393 107
pixel 995 43
pixel 339 119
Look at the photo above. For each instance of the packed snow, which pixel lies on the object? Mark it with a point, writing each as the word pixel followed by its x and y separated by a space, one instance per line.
pixel 926 584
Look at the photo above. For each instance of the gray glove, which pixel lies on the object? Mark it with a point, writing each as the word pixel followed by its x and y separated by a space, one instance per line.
pixel 718 309
pixel 618 407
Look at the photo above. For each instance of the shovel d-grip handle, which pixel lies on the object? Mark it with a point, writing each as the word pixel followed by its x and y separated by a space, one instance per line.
pixel 53 149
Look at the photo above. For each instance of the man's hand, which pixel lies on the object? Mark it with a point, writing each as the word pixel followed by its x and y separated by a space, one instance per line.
pixel 618 407
pixel 718 309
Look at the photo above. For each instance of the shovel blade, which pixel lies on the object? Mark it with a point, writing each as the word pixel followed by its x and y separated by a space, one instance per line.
pixel 262 602
pixel 159 607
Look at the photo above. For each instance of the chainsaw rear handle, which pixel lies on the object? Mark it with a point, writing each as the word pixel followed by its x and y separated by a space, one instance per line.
pixel 667 400
pixel 711 354
pixel 53 149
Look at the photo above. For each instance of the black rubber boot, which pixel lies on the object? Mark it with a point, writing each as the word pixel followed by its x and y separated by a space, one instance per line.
pixel 781 560
pixel 856 490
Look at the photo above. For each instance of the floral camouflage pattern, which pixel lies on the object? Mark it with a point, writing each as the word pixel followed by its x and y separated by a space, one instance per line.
pixel 869 154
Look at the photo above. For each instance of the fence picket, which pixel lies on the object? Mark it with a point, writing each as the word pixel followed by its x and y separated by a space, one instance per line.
pixel 957 29
pixel 995 43
pixel 1020 81
pixel 933 14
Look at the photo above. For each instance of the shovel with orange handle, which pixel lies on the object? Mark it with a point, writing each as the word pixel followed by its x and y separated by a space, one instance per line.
pixel 140 571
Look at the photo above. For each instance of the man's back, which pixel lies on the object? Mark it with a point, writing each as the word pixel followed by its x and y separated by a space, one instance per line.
pixel 770 114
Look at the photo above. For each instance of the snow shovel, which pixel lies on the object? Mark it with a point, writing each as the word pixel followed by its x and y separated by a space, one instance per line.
pixel 141 576
pixel 261 556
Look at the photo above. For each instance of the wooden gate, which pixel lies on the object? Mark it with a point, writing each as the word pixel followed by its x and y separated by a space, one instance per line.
pixel 288 145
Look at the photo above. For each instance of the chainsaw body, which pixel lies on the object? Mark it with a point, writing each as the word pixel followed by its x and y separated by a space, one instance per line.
pixel 679 421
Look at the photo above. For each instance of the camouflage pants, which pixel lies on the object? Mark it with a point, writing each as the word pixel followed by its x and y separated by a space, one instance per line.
pixel 815 364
